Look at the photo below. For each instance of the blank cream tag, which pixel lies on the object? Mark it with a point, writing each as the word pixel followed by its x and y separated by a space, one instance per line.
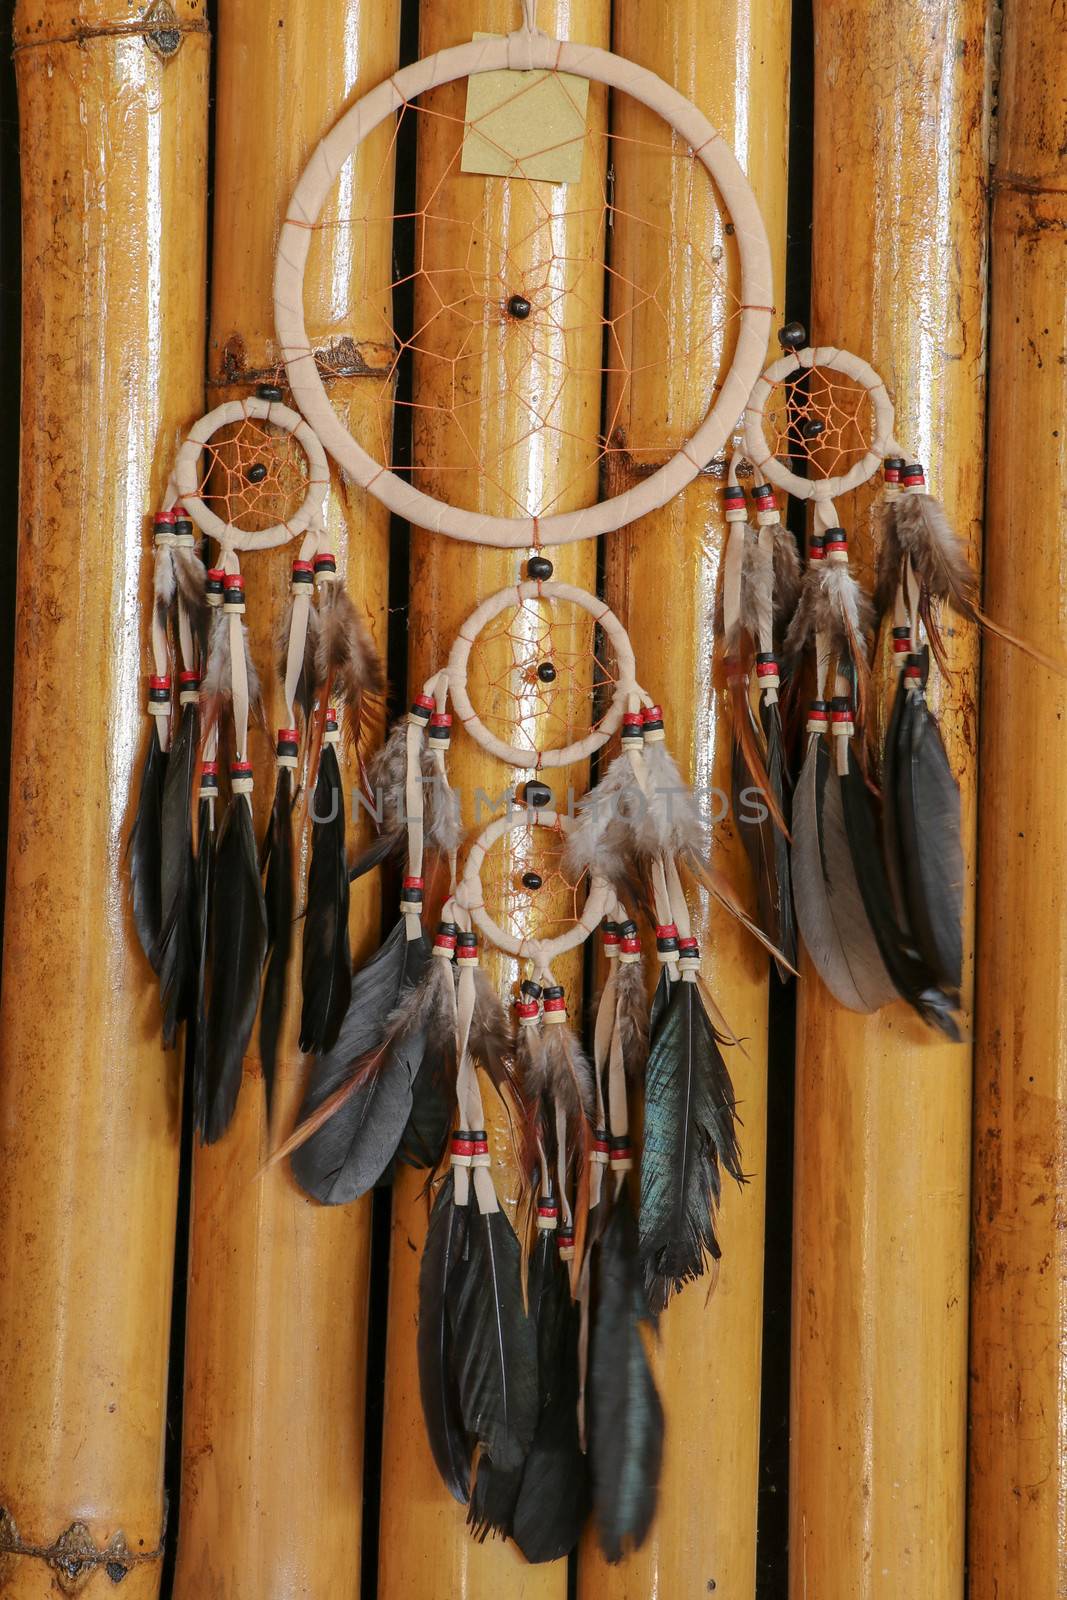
pixel 525 124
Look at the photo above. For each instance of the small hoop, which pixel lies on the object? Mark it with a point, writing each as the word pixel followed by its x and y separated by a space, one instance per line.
pixel 625 688
pixel 830 359
pixel 523 50
pixel 185 482
pixel 469 892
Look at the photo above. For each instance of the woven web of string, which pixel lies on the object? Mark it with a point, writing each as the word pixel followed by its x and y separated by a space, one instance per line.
pixel 529 910
pixel 541 674
pixel 818 422
pixel 253 475
pixel 628 273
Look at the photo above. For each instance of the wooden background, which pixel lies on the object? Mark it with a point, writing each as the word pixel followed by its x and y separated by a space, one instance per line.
pixel 206 1383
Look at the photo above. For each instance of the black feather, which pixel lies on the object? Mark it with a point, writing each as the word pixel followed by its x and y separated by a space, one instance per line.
pixel 766 846
pixel 913 979
pixel 660 1001
pixel 197 1030
pixel 278 897
pixel 689 1130
pixel 625 1414
pixel 926 805
pixel 346 1156
pixel 178 921
pixel 373 856
pixel 890 831
pixel 442 1262
pixel 327 963
pixel 433 1103
pixel 238 945
pixel 146 849
pixel 554 1493
pixel 495 1344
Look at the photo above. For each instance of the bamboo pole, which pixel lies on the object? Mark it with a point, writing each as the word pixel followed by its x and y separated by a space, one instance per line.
pixel 114 184
pixel 663 577
pixel 882 1118
pixel 277 1314
pixel 425 1547
pixel 1018 1501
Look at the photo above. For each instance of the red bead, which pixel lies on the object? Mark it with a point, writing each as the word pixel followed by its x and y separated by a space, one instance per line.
pixel 159 681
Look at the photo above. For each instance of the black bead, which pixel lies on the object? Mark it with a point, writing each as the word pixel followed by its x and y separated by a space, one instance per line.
pixel 812 428
pixel 536 796
pixel 257 472
pixel 539 567
pixel 794 336
pixel 531 880
pixel 546 672
pixel 268 391
pixel 519 307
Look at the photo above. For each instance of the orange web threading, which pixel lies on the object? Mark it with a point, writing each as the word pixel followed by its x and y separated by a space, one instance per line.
pixel 818 422
pixel 522 907
pixel 253 475
pixel 525 322
pixel 541 674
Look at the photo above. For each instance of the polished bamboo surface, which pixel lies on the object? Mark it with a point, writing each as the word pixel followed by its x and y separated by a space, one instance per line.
pixel 663 577
pixel 1018 1464
pixel 882 1133
pixel 425 1547
pixel 277 1312
pixel 113 187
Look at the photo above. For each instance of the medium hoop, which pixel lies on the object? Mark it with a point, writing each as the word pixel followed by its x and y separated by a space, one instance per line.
pixel 523 51
pixel 830 359
pixel 312 512
pixel 469 893
pixel 626 685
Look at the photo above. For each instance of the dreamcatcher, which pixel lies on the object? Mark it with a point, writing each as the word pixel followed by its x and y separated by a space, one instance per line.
pixel 251 475
pixel 876 879
pixel 535 1380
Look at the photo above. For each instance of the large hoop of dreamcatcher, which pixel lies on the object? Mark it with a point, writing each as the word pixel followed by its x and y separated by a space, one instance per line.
pixel 526 50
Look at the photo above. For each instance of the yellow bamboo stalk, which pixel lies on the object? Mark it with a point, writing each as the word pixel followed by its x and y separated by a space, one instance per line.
pixel 114 188
pixel 1018 1521
pixel 662 578
pixel 275 1358
pixel 882 1160
pixel 426 1549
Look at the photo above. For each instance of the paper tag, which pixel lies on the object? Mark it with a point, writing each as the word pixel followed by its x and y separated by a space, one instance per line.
pixel 525 124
